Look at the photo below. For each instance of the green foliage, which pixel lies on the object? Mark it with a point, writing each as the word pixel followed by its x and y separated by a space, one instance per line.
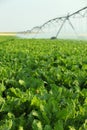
pixel 43 84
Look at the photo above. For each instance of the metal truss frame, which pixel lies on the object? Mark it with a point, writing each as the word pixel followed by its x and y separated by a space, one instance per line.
pixel 78 14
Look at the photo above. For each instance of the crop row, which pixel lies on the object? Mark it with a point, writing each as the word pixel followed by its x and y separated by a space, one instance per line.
pixel 43 84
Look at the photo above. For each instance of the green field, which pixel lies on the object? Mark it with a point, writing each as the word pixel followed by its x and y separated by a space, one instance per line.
pixel 43 84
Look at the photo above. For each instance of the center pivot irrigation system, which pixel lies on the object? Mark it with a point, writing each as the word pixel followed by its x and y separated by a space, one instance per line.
pixel 59 22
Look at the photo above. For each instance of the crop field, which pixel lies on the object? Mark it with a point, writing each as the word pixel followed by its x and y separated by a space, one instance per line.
pixel 43 84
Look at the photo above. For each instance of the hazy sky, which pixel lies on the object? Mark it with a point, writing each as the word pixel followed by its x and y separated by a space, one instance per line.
pixel 20 15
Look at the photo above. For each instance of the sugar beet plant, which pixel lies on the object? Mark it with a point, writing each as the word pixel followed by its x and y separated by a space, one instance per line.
pixel 43 84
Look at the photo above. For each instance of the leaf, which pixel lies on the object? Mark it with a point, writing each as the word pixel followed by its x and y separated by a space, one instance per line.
pixel 36 125
pixel 59 125
pixel 62 114
pixel 20 128
pixel 47 127
pixel 36 114
pixel 71 128
pixel 21 82
pixel 84 126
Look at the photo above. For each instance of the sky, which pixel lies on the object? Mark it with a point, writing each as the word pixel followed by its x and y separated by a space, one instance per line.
pixel 22 15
